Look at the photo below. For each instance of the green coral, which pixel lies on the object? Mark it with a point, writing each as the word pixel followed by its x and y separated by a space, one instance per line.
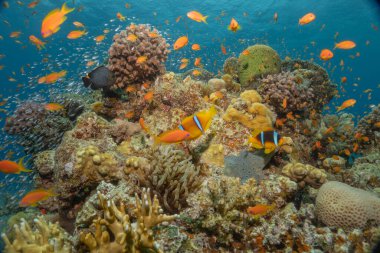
pixel 261 60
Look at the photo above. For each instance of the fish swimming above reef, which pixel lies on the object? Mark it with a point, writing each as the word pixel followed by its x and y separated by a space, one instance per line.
pixel 267 139
pixel 99 78
pixel 33 197
pixel 198 123
pixel 53 21
pixel 10 167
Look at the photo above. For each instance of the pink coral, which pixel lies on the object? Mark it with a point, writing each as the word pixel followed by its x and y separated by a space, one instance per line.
pixel 130 44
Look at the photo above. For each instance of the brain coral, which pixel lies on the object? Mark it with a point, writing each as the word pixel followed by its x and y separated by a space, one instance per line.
pixel 341 205
pixel 261 60
pixel 128 52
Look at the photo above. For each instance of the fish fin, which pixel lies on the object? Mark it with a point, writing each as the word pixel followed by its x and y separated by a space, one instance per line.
pixel 66 9
pixel 269 148
pixel 204 19
pixel 56 29
pixel 239 27
pixel 255 143
pixel 21 164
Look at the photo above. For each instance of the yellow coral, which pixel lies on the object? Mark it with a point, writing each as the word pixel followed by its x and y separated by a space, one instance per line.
pixel 46 238
pixel 115 232
pixel 305 174
pixel 214 155
pixel 248 110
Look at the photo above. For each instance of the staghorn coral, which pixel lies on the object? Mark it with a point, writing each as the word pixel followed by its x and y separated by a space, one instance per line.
pixel 125 52
pixel 305 174
pixel 249 111
pixel 36 128
pixel 46 237
pixel 261 60
pixel 276 88
pixel 340 205
pixel 169 172
pixel 114 232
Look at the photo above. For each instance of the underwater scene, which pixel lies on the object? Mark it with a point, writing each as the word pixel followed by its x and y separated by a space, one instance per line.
pixel 189 126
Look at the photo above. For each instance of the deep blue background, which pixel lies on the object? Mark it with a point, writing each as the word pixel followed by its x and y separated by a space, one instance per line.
pixel 355 20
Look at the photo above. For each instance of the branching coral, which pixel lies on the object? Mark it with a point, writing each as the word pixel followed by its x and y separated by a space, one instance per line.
pixel 170 173
pixel 115 232
pixel 249 111
pixel 137 55
pixel 305 174
pixel 46 237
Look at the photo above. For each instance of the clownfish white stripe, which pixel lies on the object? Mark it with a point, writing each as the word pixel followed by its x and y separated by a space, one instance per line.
pixel 196 120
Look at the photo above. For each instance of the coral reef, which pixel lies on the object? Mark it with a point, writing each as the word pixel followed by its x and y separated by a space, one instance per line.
pixel 36 128
pixel 137 55
pixel 249 111
pixel 368 130
pixel 115 232
pixel 305 174
pixel 169 172
pixel 231 66
pixel 340 205
pixel 46 237
pixel 258 61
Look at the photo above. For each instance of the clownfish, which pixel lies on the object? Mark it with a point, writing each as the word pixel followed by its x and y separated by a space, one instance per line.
pixel 198 123
pixel 267 139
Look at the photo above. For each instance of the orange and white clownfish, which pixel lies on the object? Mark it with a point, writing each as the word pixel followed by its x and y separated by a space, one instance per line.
pixel 267 139
pixel 198 123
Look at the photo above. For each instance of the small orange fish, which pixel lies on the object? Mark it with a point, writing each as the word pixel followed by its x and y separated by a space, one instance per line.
pixel 15 34
pixel 197 61
pixel 131 88
pixel 129 114
pixel 172 136
pixel 143 125
pixel 318 145
pixel 343 79
pixel 347 152
pixel 347 44
pixel 326 54
pixel 355 147
pixel 275 17
pixel 141 59
pixel 347 103
pixel 120 16
pixel 149 96
pixel 127 5
pixel 365 139
pixel 377 124
pixel 33 197
pixel 10 167
pixel 290 116
pixel 196 16
pixel 280 122
pixel 52 22
pixel 33 4
pixel 196 72
pixel 181 42
pixel 53 107
pixel 37 42
pixel 234 25
pixel 75 34
pixel 183 65
pixel 153 34
pixel 145 86
pixel 260 210
pixel 78 24
pixel 307 18
pixel 99 38
pixel 90 63
pixel 224 51
pixel 131 37
pixel 52 77
pixel 195 47
pixel 329 130
pixel 105 31
pixel 357 135
pixel 245 52
pixel 178 19
pixel 284 103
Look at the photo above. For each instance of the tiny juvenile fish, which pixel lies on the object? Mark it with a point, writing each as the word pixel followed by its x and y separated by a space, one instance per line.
pixel 37 42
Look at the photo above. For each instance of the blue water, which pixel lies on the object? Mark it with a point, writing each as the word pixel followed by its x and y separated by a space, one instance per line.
pixel 355 20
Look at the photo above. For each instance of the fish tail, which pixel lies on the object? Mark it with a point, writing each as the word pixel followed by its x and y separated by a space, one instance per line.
pixel 22 166
pixel 239 27
pixel 65 10
pixel 204 19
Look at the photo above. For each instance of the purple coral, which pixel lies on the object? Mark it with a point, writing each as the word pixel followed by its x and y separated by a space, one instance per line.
pixel 277 87
pixel 130 44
